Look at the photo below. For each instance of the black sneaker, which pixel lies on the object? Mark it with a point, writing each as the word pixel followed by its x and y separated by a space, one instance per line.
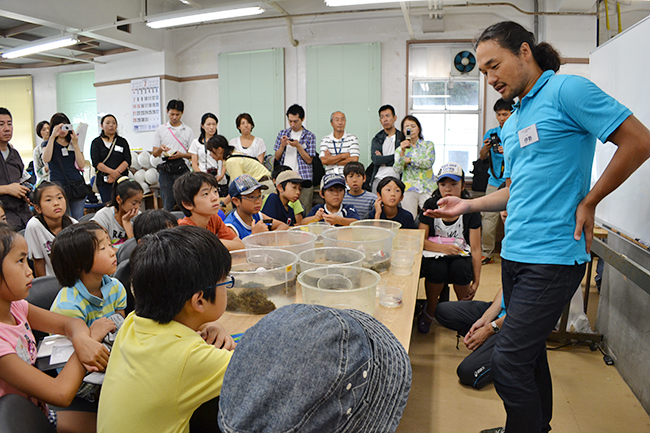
pixel 494 430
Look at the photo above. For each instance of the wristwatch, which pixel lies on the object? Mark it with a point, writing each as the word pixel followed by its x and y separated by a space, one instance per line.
pixel 495 327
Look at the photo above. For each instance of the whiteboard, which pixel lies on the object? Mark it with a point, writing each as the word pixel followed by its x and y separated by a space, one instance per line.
pixel 621 67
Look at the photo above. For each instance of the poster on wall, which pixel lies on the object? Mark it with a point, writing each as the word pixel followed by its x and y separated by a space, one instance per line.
pixel 145 102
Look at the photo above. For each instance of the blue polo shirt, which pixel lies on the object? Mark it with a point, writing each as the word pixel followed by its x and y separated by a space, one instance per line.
pixel 497 161
pixel 549 143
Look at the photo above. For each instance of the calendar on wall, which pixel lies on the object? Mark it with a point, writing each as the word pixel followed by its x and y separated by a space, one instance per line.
pixel 145 102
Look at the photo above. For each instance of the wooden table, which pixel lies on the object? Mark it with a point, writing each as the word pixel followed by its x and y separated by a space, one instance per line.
pixel 399 320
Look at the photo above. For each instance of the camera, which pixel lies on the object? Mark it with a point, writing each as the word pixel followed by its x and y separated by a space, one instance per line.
pixel 495 141
pixel 66 127
pixel 212 171
pixel 408 133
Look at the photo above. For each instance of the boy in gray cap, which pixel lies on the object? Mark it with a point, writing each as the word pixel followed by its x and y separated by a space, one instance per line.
pixel 309 368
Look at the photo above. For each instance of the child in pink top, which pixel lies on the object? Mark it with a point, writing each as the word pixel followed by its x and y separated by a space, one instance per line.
pixel 17 343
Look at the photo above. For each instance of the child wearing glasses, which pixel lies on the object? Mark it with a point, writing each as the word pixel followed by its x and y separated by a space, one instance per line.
pixel 197 195
pixel 246 219
pixel 170 355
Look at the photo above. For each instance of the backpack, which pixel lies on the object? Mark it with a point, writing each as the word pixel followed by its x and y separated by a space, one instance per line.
pixel 319 170
pixel 480 172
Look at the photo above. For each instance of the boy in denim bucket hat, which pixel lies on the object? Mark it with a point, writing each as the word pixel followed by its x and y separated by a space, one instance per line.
pixel 309 368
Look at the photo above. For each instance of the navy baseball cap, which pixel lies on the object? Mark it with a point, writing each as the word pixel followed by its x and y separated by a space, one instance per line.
pixel 331 179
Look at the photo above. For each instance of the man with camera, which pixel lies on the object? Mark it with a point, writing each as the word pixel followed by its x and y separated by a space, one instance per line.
pixel 14 189
pixel 493 151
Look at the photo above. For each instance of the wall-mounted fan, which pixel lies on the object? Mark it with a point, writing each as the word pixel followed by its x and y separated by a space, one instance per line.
pixel 465 62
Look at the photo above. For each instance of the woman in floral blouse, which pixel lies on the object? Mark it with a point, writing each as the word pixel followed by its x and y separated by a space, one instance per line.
pixel 414 162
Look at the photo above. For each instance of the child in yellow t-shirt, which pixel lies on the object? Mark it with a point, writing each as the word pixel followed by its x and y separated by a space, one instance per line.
pixel 170 354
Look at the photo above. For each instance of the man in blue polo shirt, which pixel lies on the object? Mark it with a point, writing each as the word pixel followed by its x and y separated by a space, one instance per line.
pixel 549 143
pixel 493 150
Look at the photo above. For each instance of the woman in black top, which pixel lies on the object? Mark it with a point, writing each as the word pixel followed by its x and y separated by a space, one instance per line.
pixel 66 162
pixel 111 167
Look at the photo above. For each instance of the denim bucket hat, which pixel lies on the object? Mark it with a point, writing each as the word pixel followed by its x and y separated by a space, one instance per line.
pixel 309 368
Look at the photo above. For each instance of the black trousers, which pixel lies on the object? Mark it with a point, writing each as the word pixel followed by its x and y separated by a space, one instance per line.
pixel 476 368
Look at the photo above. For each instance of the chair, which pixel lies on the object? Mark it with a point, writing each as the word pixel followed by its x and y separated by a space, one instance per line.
pixel 19 415
pixel 42 294
pixel 124 252
pixel 86 217
pixel 123 273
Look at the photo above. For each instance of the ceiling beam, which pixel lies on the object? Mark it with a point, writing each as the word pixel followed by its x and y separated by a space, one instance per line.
pixel 19 29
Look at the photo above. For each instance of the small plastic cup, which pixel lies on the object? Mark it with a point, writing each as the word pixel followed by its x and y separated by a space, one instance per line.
pixel 390 297
pixel 402 262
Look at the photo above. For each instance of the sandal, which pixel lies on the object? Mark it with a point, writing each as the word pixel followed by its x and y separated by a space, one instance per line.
pixel 424 321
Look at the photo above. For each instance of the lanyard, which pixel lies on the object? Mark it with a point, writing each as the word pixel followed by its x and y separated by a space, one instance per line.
pixel 336 152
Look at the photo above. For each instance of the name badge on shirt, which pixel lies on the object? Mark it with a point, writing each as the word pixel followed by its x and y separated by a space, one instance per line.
pixel 528 136
pixel 119 149
pixel 64 151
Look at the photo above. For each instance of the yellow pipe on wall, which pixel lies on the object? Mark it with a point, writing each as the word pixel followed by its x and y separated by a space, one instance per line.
pixel 606 15
pixel 618 12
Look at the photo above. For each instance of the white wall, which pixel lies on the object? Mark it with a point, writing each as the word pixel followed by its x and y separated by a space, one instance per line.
pixel 194 52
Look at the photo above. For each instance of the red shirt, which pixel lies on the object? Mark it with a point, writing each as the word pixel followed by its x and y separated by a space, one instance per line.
pixel 215 225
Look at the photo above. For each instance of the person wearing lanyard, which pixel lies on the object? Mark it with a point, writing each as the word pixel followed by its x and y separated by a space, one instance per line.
pixel 339 147
pixel 549 144
pixel 172 141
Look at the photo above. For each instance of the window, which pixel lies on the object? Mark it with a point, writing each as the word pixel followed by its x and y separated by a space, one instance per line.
pixel 16 96
pixel 446 103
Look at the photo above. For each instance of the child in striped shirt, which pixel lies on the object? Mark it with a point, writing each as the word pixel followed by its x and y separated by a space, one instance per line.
pixel 83 258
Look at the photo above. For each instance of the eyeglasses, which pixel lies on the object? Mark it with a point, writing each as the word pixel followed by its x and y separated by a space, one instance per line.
pixel 252 198
pixel 229 283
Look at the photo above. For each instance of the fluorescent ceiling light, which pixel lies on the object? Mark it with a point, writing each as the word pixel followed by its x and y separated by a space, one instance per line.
pixel 204 16
pixel 39 46
pixel 333 3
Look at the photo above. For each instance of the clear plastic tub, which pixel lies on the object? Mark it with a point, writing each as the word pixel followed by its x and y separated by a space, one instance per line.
pixel 264 280
pixel 402 262
pixel 340 287
pixel 329 256
pixel 376 243
pixel 394 226
pixel 316 228
pixel 407 243
pixel 295 241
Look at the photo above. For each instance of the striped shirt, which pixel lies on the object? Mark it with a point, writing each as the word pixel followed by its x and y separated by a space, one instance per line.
pixel 77 302
pixel 364 203
pixel 336 146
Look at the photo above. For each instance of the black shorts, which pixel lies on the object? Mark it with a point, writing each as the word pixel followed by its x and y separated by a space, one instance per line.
pixel 454 270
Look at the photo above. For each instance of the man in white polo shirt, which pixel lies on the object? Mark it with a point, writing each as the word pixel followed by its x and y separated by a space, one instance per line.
pixel 172 142
pixel 339 147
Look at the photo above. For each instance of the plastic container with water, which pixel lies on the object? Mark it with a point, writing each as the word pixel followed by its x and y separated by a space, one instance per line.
pixel 264 280
pixel 294 241
pixel 329 256
pixel 376 243
pixel 316 228
pixel 340 287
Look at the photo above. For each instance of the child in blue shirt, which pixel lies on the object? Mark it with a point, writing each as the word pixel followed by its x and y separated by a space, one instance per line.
pixel 289 185
pixel 362 200
pixel 247 219
pixel 390 192
pixel 332 190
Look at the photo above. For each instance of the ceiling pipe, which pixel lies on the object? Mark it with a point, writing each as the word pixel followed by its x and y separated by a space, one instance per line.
pixel 287 18
pixel 407 18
